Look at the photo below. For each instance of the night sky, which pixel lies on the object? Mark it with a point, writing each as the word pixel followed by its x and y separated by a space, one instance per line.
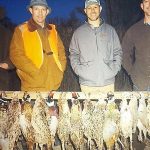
pixel 16 9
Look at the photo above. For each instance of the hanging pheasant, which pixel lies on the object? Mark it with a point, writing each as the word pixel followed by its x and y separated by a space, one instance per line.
pixel 25 124
pixel 142 118
pixel 13 128
pixel 133 104
pixel 87 120
pixel 4 143
pixel 98 121
pixel 40 124
pixel 126 120
pixel 52 116
pixel 148 115
pixel 76 133
pixel 64 126
pixel 111 124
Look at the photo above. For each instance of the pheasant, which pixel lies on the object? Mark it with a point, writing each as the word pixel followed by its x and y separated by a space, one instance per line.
pixel 40 124
pixel 98 122
pixel 142 118
pixel 133 104
pixel 52 118
pixel 25 124
pixel 87 120
pixel 76 133
pixel 13 128
pixel 126 120
pixel 148 116
pixel 64 126
pixel 4 145
pixel 111 124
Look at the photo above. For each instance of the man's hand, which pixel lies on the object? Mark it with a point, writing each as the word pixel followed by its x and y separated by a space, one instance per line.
pixel 4 66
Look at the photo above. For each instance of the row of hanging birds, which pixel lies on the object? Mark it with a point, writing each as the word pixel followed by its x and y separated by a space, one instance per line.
pixel 100 124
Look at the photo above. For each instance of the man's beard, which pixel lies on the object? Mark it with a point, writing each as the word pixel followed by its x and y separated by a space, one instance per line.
pixel 94 19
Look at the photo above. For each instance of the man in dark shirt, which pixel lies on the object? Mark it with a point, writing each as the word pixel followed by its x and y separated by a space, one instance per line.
pixel 136 58
pixel 9 80
pixel 136 50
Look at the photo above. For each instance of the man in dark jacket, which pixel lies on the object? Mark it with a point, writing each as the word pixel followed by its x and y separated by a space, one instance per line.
pixel 136 58
pixel 136 50
pixel 8 77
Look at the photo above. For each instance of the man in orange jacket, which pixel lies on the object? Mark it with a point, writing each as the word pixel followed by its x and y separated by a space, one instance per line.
pixel 37 51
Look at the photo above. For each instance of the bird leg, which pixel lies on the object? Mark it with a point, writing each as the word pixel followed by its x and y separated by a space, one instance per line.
pixel 140 135
pixel 63 145
pixel 131 147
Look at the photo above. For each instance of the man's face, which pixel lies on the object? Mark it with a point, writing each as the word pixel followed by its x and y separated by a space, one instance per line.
pixel 39 14
pixel 93 12
pixel 145 5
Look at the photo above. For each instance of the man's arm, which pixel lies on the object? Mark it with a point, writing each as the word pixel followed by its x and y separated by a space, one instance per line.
pixel 128 52
pixel 61 53
pixel 74 54
pixel 117 52
pixel 17 54
pixel 5 36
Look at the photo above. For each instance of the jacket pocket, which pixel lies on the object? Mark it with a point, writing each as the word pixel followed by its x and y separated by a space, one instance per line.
pixel 33 81
pixel 109 70
pixel 86 70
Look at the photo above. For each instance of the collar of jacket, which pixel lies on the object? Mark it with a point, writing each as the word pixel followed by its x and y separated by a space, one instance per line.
pixel 32 25
pixel 101 22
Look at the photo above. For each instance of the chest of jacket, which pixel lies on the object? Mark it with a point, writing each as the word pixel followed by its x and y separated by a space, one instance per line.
pixel 33 45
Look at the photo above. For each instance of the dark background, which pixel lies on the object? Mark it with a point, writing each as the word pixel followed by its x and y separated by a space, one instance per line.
pixel 68 15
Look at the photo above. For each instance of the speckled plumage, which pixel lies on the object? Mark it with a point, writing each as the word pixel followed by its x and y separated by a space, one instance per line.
pixel 126 120
pixel 111 124
pixel 40 124
pixel 64 126
pixel 87 120
pixel 76 133
pixel 13 128
pixel 142 118
pixel 3 129
pixel 25 124
pixel 98 122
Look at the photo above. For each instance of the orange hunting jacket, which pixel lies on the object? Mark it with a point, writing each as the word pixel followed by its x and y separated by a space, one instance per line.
pixel 38 70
